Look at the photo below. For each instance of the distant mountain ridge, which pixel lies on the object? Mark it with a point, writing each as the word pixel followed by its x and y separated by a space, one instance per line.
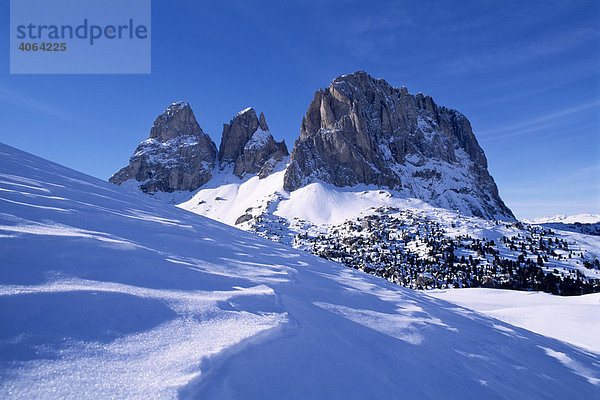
pixel 588 224
pixel 358 131
pixel 566 219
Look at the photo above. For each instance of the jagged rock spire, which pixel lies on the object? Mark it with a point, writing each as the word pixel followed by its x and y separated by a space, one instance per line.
pixel 177 156
pixel 248 145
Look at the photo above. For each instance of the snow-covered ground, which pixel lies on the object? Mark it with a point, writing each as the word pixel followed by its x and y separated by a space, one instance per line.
pixel 574 319
pixel 105 293
pixel 226 197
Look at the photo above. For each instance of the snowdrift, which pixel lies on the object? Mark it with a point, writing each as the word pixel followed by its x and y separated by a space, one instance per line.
pixel 105 293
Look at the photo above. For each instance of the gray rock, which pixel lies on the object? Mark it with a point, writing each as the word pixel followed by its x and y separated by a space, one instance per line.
pixel 362 130
pixel 248 145
pixel 243 218
pixel 177 156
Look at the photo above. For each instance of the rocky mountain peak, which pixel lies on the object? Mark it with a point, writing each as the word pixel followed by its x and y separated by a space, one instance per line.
pixel 177 156
pixel 177 120
pixel 248 145
pixel 361 130
pixel 236 134
pixel 262 123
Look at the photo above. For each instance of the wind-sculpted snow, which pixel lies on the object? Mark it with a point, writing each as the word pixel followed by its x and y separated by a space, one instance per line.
pixel 109 294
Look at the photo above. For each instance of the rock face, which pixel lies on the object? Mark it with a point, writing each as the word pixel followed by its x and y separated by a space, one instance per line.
pixel 248 145
pixel 361 130
pixel 177 156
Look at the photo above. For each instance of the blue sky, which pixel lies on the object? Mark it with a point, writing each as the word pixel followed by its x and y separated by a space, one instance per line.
pixel 526 74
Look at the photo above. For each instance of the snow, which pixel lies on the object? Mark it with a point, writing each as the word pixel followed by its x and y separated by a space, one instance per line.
pixel 320 207
pixel 258 139
pixel 385 151
pixel 318 203
pixel 575 320
pixel 323 204
pixel 567 219
pixel 225 198
pixel 574 365
pixel 178 105
pixel 244 111
pixel 426 127
pixel 582 223
pixel 105 293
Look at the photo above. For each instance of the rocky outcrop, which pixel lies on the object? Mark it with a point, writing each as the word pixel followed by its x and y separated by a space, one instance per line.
pixel 177 156
pixel 248 145
pixel 361 130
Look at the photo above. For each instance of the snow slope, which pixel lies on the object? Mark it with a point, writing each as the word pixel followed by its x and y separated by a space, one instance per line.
pixel 105 293
pixel 574 319
pixel 226 197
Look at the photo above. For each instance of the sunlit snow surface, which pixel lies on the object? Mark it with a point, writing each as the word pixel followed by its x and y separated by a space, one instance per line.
pixel 105 293
pixel 573 319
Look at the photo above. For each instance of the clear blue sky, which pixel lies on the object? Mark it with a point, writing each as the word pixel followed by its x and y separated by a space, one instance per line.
pixel 526 74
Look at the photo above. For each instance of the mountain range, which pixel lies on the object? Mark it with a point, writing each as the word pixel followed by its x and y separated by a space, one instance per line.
pixel 358 131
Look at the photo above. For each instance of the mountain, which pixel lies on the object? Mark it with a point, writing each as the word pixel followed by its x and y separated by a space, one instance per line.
pixel 106 293
pixel 357 131
pixel 177 156
pixel 362 130
pixel 567 219
pixel 583 223
pixel 248 145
